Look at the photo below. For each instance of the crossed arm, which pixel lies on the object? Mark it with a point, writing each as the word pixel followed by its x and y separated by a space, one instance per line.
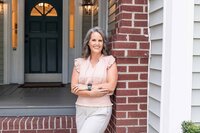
pixel 98 90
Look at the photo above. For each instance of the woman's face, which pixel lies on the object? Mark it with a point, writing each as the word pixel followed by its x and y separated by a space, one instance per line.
pixel 96 43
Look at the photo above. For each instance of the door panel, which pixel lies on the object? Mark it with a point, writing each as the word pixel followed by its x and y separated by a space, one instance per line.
pixel 43 37
pixel 34 55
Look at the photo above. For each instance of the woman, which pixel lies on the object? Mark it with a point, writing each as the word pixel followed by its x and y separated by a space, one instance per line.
pixel 94 79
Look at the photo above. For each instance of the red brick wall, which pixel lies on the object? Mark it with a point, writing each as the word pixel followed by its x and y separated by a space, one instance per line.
pixel 130 46
pixel 50 124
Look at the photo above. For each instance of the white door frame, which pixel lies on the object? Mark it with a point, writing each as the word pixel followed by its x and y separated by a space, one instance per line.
pixel 14 59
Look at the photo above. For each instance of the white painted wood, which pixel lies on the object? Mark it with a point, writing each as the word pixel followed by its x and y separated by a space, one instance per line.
pixel 195 113
pixel 157 32
pixel 196 13
pixel 65 45
pixel 7 41
pixel 154 106
pixel 154 121
pixel 176 88
pixel 43 77
pixel 155 77
pixel 155 91
pixel 20 49
pixel 156 47
pixel 197 1
pixel 196 47
pixel 155 5
pixel 195 80
pixel 196 64
pixel 196 98
pixel 156 17
pixel 103 14
pixel 196 30
pixel 156 62
pixel 152 130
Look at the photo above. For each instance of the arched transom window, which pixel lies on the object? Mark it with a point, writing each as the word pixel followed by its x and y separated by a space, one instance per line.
pixel 43 9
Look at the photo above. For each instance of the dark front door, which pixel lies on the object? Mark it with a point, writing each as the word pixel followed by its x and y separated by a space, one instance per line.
pixel 43 39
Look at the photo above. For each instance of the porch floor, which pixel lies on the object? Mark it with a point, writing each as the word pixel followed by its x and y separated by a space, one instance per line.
pixel 18 101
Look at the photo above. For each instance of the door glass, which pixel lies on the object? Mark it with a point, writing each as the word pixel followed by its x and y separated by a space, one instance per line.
pixel 44 9
pixel 14 24
pixel 71 24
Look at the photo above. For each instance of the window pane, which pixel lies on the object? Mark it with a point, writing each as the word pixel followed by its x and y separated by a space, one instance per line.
pixel 52 12
pixel 40 7
pixel 71 24
pixel 14 24
pixel 43 9
pixel 35 12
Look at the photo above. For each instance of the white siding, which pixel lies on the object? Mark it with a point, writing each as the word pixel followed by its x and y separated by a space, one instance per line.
pixel 1 48
pixel 195 115
pixel 156 33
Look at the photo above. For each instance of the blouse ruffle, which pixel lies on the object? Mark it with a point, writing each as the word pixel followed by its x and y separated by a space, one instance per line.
pixel 110 61
pixel 77 64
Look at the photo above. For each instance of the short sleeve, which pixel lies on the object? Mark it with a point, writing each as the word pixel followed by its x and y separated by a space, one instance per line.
pixel 77 64
pixel 110 61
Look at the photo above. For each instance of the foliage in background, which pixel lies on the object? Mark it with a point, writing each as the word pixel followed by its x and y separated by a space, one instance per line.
pixel 190 127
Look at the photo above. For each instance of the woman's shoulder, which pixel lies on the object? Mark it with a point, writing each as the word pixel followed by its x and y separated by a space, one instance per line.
pixel 109 60
pixel 109 57
pixel 79 61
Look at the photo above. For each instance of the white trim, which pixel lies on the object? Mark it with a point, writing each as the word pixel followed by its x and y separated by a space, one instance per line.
pixel 65 41
pixel 176 65
pixel 20 48
pixel 78 28
pixel 7 41
pixel 43 77
pixel 103 15
pixel 14 59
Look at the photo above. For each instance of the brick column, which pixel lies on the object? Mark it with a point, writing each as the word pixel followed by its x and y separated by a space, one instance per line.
pixel 130 46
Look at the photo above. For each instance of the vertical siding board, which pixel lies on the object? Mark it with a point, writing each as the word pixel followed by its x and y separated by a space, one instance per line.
pixel 154 106
pixel 154 121
pixel 155 91
pixel 158 32
pixel 196 29
pixel 196 12
pixel 154 19
pixel 1 48
pixel 156 36
pixel 155 5
pixel 195 116
pixel 196 47
pixel 156 47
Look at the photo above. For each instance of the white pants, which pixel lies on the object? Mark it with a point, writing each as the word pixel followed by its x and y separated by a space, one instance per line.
pixel 92 119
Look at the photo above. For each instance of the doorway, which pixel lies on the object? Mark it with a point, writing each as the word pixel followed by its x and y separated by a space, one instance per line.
pixel 43 41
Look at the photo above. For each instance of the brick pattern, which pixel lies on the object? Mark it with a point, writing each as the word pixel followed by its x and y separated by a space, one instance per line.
pixel 42 124
pixel 130 46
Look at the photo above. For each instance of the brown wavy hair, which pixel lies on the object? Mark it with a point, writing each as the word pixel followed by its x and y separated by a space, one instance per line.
pixel 86 49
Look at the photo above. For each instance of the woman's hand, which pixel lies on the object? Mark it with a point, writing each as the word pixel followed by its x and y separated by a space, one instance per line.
pixel 98 92
pixel 75 89
pixel 78 87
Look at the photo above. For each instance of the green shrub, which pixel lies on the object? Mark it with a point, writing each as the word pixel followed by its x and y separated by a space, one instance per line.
pixel 190 127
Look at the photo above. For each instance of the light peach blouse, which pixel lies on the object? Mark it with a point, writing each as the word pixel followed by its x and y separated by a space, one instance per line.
pixel 95 75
